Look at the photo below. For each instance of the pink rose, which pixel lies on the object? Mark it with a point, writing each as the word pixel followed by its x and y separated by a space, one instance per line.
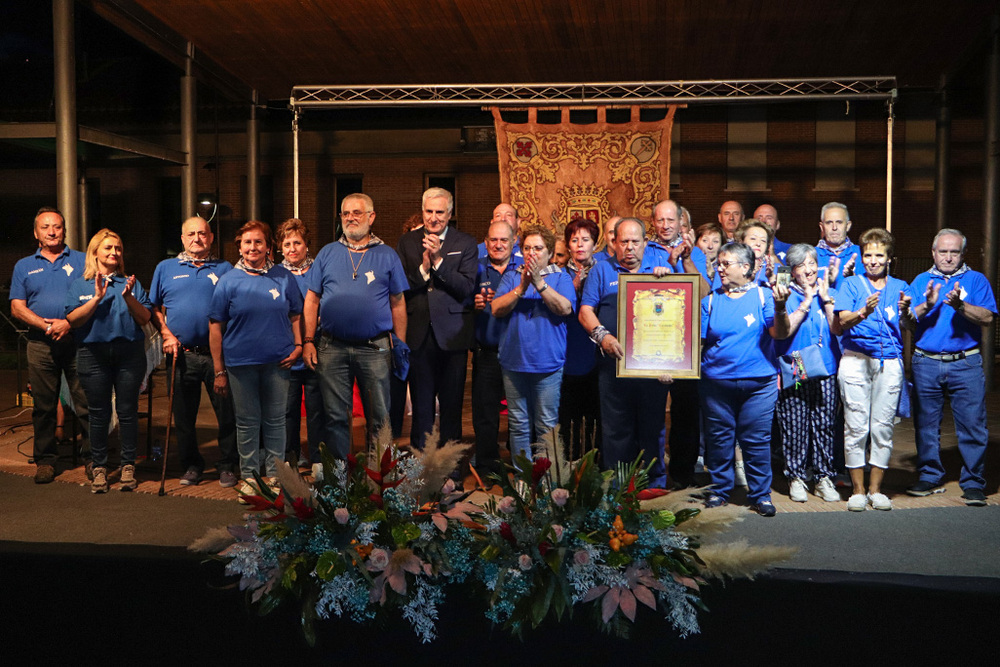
pixel 341 515
pixel 378 560
pixel 581 558
pixel 506 505
pixel 524 562
pixel 560 496
pixel 449 486
pixel 557 530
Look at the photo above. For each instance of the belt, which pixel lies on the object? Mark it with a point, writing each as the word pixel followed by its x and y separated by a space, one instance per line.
pixel 372 342
pixel 198 349
pixel 953 356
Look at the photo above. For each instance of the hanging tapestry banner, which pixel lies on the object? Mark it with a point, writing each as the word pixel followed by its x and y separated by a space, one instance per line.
pixel 552 173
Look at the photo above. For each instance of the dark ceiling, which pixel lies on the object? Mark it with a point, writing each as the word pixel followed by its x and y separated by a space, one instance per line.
pixel 272 45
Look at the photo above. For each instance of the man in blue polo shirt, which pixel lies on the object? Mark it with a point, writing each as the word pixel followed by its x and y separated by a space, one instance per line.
pixel 678 253
pixel 956 303
pixel 769 216
pixel 487 377
pixel 633 411
pixel 181 293
pixel 505 213
pixel 38 298
pixel 837 256
pixel 355 302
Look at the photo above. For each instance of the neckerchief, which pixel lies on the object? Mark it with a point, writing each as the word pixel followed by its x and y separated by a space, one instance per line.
pixel 372 242
pixel 241 265
pixel 185 257
pixel 839 249
pixel 962 269
pixel 302 267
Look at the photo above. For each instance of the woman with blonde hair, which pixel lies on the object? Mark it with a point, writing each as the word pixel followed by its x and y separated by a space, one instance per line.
pixel 108 309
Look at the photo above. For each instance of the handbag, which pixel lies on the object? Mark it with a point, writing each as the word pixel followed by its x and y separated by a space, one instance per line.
pixel 801 365
pixel 904 409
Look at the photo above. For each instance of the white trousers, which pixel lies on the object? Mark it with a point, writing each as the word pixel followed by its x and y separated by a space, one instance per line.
pixel 869 389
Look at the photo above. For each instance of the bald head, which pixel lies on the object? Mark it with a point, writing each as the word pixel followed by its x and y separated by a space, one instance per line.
pixel 667 221
pixel 769 216
pixel 197 237
pixel 507 213
pixel 609 233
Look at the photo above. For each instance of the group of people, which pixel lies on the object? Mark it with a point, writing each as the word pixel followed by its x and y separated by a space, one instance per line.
pixel 801 345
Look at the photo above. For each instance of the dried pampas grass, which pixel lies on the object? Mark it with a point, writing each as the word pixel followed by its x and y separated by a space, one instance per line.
pixel 294 486
pixel 213 541
pixel 737 560
pixel 438 462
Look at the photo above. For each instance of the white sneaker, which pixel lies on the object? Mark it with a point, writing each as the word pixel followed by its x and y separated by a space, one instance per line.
pixel 879 501
pixel 317 471
pixel 699 465
pixel 797 490
pixel 857 503
pixel 826 490
pixel 741 475
pixel 246 488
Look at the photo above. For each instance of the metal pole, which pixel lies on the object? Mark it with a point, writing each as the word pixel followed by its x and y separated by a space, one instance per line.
pixel 888 164
pixel 991 187
pixel 84 212
pixel 64 52
pixel 253 162
pixel 295 163
pixel 942 157
pixel 189 172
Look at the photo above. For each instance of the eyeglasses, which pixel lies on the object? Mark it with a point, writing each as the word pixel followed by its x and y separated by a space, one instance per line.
pixel 347 215
pixel 726 265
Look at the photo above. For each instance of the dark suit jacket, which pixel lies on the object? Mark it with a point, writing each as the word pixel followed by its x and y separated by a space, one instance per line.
pixel 446 299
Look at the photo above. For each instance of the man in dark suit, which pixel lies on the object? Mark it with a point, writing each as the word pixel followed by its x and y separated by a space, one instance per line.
pixel 440 263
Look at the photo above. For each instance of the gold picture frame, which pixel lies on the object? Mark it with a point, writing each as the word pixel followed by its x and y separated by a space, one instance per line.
pixel 659 325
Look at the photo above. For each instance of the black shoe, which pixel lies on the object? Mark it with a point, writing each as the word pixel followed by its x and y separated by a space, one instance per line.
pixel 714 501
pixel 922 488
pixel 45 473
pixel 974 497
pixel 764 508
pixel 191 477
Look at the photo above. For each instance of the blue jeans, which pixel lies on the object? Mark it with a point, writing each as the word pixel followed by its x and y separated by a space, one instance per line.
pixel 633 421
pixel 304 381
pixel 103 367
pixel 340 364
pixel 963 383
pixel 532 407
pixel 260 395
pixel 739 411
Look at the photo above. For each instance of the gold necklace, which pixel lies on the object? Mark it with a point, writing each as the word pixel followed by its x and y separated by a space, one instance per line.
pixel 350 254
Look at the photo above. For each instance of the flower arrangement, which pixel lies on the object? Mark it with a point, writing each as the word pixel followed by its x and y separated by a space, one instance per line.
pixel 390 534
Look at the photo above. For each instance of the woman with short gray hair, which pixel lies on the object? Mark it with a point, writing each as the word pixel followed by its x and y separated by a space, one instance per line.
pixel 808 358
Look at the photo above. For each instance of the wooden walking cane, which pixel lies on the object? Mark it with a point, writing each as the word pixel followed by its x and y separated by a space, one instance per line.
pixel 170 419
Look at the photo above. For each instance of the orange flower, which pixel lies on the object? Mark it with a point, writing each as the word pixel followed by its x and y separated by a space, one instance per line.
pixel 618 536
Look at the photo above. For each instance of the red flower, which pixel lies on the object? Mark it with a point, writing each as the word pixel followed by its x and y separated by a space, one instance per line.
pixel 539 468
pixel 649 494
pixel 352 462
pixel 377 499
pixel 544 548
pixel 302 510
pixel 507 534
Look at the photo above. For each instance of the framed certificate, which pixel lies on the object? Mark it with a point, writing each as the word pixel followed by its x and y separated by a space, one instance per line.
pixel 659 325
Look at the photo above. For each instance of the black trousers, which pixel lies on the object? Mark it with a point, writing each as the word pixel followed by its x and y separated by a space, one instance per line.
pixel 436 373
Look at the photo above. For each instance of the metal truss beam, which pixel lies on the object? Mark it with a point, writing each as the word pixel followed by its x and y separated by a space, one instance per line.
pixel 581 94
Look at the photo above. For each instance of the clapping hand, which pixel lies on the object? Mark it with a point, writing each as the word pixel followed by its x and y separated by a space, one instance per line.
pixel 904 303
pixel 954 297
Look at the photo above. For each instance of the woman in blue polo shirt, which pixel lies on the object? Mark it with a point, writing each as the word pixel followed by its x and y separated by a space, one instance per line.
pixel 739 387
pixel 536 300
pixel 807 404
pixel 871 377
pixel 255 337
pixel 108 310
pixel 303 386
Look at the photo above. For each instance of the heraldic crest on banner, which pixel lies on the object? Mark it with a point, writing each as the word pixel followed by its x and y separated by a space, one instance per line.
pixel 552 173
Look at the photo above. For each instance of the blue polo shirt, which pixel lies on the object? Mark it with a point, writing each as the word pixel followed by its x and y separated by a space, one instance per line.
pixel 814 329
pixel 185 292
pixel 600 292
pixel 42 284
pixel 356 309
pixel 112 320
pixel 878 335
pixel 781 249
pixel 735 340
pixel 535 338
pixel 942 330
pixel 581 353
pixel 697 256
pixel 823 257
pixel 255 310
pixel 489 329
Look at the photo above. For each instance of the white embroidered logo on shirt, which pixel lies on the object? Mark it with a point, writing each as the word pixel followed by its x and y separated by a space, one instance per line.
pixel 68 269
pixel 183 275
pixel 214 278
pixel 889 313
pixel 86 297
pixel 370 275
pixel 750 319
pixel 962 294
pixel 274 293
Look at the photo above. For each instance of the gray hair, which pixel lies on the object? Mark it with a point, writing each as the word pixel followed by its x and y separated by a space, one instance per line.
pixel 799 253
pixel 949 232
pixel 685 212
pixel 743 254
pixel 834 204
pixel 434 193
